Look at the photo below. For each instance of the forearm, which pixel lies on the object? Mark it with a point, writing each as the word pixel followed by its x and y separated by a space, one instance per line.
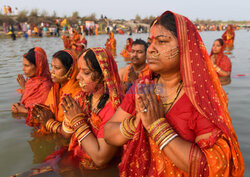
pixel 178 150
pixel 113 134
pixel 224 73
pixel 100 152
pixel 221 72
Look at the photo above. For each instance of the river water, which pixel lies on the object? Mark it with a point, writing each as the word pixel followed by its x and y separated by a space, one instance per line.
pixel 19 151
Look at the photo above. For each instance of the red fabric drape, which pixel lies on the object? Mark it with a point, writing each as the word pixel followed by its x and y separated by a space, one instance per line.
pixel 37 88
pixel 203 88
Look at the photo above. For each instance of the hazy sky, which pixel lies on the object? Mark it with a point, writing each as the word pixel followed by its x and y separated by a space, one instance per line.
pixel 127 9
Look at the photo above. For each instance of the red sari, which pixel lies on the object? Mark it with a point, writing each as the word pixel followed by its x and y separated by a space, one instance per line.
pixel 37 88
pixel 202 109
pixel 228 36
pixel 222 61
pixel 97 121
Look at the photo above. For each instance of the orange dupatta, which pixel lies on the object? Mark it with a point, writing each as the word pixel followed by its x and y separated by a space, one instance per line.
pixel 55 94
pixel 202 86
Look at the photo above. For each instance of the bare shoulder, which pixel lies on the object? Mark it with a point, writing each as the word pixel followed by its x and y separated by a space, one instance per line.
pixel 122 72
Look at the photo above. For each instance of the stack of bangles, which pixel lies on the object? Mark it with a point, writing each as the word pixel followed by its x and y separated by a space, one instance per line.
pixel 127 127
pixel 66 126
pixel 52 125
pixel 161 132
pixel 80 127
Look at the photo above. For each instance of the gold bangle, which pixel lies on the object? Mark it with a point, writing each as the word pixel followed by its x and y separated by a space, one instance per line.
pixel 66 128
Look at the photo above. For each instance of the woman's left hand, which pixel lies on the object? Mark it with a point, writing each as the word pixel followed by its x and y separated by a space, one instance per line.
pixel 70 107
pixel 149 108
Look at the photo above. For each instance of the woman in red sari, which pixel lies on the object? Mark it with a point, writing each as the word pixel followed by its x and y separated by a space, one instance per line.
pixel 35 89
pixel 228 37
pixel 221 62
pixel 125 53
pixel 86 115
pixel 176 122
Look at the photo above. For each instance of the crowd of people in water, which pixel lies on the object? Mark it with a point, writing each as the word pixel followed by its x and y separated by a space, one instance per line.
pixel 164 114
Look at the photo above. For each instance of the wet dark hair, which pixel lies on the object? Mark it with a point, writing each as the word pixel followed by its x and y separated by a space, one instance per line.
pixel 30 56
pixel 93 65
pixel 220 41
pixel 141 42
pixel 167 21
pixel 65 58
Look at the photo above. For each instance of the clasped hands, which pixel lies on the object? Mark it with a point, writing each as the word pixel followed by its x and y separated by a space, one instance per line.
pixel 149 108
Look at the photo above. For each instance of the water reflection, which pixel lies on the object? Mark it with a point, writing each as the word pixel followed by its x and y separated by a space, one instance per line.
pixel 17 143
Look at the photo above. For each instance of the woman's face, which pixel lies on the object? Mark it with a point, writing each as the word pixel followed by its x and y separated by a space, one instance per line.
pixel 85 77
pixel 127 43
pixel 216 47
pixel 58 71
pixel 163 52
pixel 29 68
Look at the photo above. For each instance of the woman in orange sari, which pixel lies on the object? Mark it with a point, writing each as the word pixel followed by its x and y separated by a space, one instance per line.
pixel 111 44
pixel 228 37
pixel 86 115
pixel 64 71
pixel 125 53
pixel 221 62
pixel 35 89
pixel 176 122
pixel 80 45
pixel 66 41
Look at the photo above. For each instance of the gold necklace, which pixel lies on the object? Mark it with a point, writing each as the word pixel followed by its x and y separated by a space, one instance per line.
pixel 172 100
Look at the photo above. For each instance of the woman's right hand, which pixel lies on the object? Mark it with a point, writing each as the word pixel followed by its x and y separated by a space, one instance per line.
pixel 14 107
pixel 21 81
pixel 42 114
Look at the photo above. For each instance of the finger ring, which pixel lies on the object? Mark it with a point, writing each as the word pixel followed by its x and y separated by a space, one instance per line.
pixel 144 110
pixel 64 111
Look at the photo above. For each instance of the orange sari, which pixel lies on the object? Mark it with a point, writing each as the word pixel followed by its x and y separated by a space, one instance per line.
pixel 66 41
pixel 220 155
pixel 37 88
pixel 111 42
pixel 55 94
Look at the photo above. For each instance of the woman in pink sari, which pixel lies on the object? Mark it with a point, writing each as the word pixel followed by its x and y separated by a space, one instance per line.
pixel 35 89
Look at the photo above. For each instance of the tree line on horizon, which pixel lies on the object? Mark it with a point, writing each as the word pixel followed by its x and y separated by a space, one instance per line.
pixel 36 17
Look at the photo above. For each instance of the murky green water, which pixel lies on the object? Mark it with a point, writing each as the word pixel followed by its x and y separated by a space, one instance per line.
pixel 20 151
